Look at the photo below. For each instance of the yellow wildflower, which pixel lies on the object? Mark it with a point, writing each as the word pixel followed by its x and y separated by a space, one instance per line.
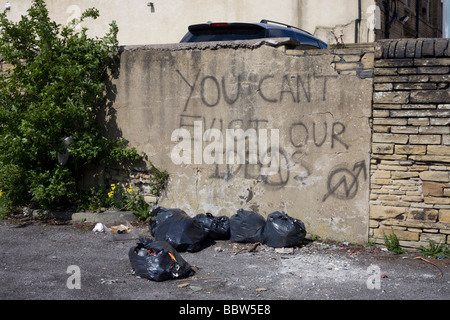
pixel 1 193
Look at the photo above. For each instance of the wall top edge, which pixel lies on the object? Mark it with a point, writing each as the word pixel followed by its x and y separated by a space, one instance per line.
pixel 412 48
pixel 239 44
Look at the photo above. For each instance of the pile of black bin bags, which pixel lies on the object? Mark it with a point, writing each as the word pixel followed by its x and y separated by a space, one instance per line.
pixel 174 231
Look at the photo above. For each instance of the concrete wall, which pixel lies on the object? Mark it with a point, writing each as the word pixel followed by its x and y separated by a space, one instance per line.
pixel 320 103
pixel 410 165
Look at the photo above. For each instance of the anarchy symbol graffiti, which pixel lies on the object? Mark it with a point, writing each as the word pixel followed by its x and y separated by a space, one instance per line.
pixel 343 183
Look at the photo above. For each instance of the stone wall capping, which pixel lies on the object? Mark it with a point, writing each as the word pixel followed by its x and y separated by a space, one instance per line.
pixel 412 48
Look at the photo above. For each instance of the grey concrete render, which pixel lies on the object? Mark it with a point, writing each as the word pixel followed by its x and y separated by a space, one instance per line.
pixel 321 113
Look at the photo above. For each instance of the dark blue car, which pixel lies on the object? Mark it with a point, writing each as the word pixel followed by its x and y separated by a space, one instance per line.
pixel 229 31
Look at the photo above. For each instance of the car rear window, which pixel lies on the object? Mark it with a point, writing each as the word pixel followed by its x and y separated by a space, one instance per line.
pixel 206 32
pixel 281 33
pixel 307 42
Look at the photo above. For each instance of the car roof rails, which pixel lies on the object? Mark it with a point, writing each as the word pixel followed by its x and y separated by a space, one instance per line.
pixel 283 24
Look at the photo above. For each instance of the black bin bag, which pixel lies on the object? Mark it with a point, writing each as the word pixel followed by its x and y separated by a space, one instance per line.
pixel 218 228
pixel 161 214
pixel 247 227
pixel 158 261
pixel 182 232
pixel 282 230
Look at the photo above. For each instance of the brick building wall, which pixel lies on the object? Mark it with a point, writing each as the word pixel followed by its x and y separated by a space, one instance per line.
pixel 410 182
pixel 404 17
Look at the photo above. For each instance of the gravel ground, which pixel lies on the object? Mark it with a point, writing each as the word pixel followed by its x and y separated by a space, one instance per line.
pixel 36 257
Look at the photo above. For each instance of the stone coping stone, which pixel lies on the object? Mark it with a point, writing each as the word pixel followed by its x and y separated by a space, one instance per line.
pixel 412 48
pixel 107 217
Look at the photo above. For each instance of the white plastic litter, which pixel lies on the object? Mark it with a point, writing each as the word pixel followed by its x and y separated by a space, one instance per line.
pixel 98 227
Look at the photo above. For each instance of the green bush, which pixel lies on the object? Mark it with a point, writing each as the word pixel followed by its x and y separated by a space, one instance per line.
pixel 55 90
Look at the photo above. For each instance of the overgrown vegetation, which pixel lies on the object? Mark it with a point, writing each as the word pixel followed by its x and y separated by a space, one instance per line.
pixel 118 196
pixel 392 243
pixel 436 251
pixel 52 94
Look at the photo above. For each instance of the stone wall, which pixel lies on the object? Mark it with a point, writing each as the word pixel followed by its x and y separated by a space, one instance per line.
pixel 410 189
pixel 364 132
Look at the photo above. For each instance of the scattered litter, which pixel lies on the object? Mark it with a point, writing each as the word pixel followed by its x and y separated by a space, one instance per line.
pixel 261 289
pixel 195 288
pixel 282 230
pixel 248 247
pixel 247 227
pixel 285 250
pixel 99 227
pixel 384 276
pixel 158 261
pixel 120 229
pixel 218 249
pixel 423 259
pixel 183 285
pixel 109 281
pixel 253 247
pixel 121 232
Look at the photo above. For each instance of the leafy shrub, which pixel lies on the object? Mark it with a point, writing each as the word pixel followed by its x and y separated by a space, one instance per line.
pixel 54 91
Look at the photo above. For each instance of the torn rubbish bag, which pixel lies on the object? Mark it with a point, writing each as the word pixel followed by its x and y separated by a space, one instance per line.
pixel 282 230
pixel 158 261
pixel 218 228
pixel 182 232
pixel 247 227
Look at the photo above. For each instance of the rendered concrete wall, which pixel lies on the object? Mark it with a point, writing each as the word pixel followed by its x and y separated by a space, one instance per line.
pixel 320 103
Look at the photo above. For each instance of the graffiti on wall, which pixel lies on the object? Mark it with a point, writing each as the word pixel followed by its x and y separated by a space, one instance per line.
pixel 206 91
pixel 294 88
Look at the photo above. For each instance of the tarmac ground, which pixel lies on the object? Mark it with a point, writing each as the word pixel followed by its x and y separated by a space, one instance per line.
pixel 55 260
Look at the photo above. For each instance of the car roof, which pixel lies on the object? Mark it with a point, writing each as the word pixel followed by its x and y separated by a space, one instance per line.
pixel 264 23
